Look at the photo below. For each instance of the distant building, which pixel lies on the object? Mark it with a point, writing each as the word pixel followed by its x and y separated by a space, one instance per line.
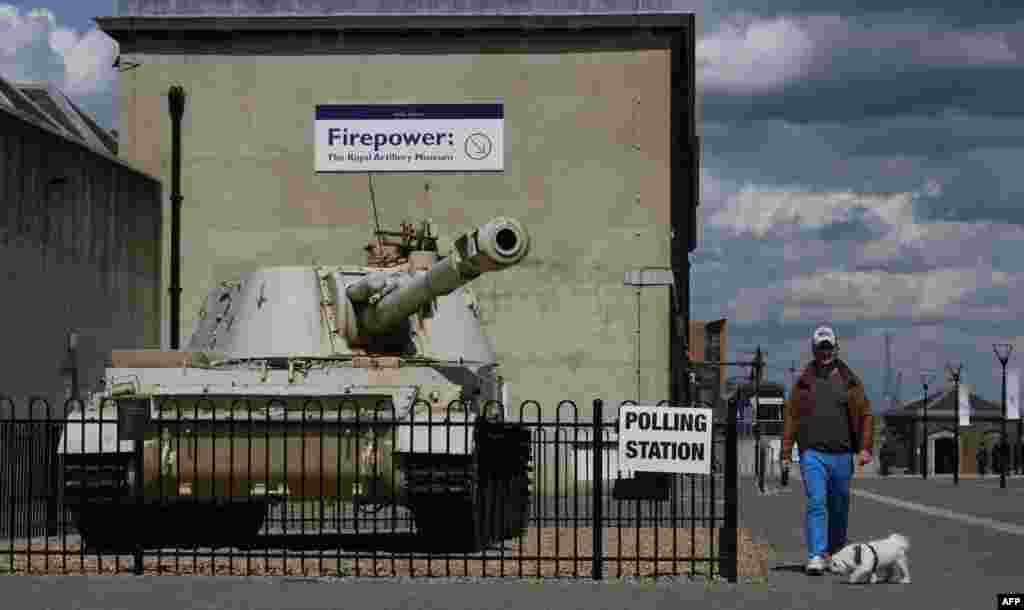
pixel 904 431
pixel 762 405
pixel 709 346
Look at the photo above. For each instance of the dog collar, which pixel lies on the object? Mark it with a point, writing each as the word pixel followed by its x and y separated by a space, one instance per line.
pixel 874 563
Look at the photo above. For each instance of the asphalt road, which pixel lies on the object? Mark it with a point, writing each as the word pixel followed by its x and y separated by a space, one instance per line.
pixel 954 565
pixel 979 497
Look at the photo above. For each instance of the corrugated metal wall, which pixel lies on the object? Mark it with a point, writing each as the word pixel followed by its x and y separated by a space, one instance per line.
pixel 79 249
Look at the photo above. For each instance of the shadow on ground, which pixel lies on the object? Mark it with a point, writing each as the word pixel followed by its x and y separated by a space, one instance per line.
pixel 789 567
pixel 380 542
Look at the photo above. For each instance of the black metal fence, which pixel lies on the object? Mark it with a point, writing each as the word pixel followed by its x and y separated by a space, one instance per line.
pixel 328 487
pixel 29 473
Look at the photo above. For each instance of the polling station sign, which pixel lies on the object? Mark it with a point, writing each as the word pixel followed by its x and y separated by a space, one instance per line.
pixel 665 439
pixel 409 137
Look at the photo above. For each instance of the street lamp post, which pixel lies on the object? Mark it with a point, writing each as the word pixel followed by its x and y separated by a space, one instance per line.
pixel 924 449
pixel 1004 356
pixel 955 374
pixel 1019 450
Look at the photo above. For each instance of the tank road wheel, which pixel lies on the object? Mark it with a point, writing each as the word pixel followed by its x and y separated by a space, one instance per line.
pixel 99 490
pixel 446 498
pixel 506 461
pixel 469 502
pixel 517 500
pixel 218 523
pixel 117 525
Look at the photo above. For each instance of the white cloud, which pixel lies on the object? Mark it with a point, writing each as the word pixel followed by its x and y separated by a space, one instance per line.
pixel 858 296
pixel 748 55
pixel 762 211
pixel 926 44
pixel 712 191
pixel 939 243
pixel 88 64
pixel 86 58
pixel 893 46
pixel 950 47
pixel 779 213
pixel 756 55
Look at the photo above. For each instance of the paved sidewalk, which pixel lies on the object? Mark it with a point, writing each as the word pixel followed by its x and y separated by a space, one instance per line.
pixel 978 496
pixel 953 564
pixel 165 593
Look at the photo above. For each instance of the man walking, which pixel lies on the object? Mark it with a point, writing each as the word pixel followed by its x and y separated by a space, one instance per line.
pixel 829 417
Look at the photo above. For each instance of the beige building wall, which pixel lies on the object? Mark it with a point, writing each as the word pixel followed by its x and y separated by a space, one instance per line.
pixel 586 170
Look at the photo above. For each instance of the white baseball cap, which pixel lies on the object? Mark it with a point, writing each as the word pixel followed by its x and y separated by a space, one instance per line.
pixel 823 334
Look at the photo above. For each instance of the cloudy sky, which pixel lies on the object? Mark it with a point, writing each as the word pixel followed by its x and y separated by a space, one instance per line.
pixel 858 169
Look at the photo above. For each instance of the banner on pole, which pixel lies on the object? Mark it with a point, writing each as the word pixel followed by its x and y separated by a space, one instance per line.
pixel 1013 394
pixel 964 404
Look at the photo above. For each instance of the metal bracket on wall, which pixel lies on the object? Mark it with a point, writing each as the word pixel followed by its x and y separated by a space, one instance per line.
pixel 124 65
pixel 646 276
pixel 636 113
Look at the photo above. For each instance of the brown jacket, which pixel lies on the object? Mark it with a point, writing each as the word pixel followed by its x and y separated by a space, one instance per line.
pixel 801 401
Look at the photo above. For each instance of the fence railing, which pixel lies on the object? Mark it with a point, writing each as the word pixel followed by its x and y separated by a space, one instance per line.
pixel 346 487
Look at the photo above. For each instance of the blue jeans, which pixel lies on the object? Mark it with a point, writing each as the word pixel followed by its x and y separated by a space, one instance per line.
pixel 826 479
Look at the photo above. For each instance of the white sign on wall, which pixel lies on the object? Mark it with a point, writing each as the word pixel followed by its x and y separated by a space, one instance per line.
pixel 964 405
pixel 665 439
pixel 409 137
pixel 1013 394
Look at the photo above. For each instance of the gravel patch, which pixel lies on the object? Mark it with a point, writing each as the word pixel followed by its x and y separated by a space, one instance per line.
pixel 539 554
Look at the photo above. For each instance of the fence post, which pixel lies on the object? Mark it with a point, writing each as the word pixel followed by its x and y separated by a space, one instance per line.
pixel 53 487
pixel 597 449
pixel 729 541
pixel 138 437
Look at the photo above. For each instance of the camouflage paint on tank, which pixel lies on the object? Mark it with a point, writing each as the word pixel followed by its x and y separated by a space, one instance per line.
pixel 298 447
pixel 292 464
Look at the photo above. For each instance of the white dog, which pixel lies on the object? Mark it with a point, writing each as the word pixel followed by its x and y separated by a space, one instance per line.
pixel 863 559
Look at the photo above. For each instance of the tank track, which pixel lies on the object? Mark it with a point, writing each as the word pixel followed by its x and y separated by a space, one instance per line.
pixel 488 493
pixel 99 493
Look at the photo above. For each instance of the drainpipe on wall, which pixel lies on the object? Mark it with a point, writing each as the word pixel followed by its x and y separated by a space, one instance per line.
pixel 176 102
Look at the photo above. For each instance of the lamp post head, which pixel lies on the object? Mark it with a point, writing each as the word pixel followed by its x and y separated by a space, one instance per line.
pixel 1003 351
pixel 176 101
pixel 925 377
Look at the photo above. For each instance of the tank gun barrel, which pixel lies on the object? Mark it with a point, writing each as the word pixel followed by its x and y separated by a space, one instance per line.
pixel 392 298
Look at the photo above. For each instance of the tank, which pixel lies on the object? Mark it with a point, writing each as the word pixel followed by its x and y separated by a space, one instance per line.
pixel 312 384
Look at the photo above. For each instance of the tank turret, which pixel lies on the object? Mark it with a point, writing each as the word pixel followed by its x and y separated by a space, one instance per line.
pixel 407 300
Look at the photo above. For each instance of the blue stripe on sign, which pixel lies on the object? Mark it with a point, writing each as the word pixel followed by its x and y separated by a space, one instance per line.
pixel 409 111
